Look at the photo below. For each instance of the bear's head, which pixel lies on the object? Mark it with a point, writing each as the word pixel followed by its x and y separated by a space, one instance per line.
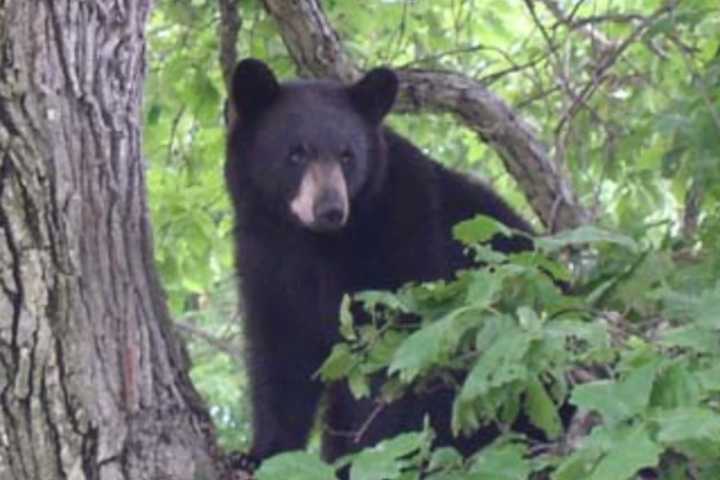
pixel 306 150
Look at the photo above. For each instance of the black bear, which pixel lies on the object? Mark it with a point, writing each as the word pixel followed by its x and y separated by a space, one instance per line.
pixel 327 202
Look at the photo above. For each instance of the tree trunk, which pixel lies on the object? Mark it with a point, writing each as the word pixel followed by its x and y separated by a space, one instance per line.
pixel 93 381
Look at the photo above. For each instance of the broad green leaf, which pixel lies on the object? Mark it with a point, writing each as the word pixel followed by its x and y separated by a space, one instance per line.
pixel 338 364
pixel 579 464
pixel 418 351
pixel 382 351
pixel 691 337
pixel 707 309
pixel 383 460
pixel 479 229
pixel 484 288
pixel 295 465
pixel 618 400
pixel 677 386
pixel 702 309
pixel 445 457
pixel 433 342
pixel 541 409
pixel 499 365
pixel 694 431
pixel 502 462
pixel 710 379
pixel 594 336
pixel 631 451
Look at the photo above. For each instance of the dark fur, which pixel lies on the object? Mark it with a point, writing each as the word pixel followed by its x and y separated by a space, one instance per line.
pixel 403 206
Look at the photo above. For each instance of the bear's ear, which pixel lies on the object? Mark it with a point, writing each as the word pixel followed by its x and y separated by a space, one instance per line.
pixel 374 94
pixel 254 87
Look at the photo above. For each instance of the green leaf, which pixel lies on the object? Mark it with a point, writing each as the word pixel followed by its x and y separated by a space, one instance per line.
pixel 295 465
pixel 347 329
pixel 484 254
pixel 555 269
pixel 206 98
pixel 707 309
pixel 499 365
pixel 630 451
pixel 579 464
pixel 676 386
pixel 542 410
pixel 618 400
pixel 433 342
pixel 418 351
pixel 584 234
pixel 382 351
pixel 479 229
pixel 593 335
pixel 383 460
pixel 371 299
pixel 690 337
pixel 338 364
pixel 502 462
pixel 689 423
pixel 445 457
pixel 484 288
pixel 710 379
pixel 529 320
pixel 702 309
pixel 359 384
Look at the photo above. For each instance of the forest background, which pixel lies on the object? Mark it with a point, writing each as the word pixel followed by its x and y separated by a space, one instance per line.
pixel 623 100
pixel 599 120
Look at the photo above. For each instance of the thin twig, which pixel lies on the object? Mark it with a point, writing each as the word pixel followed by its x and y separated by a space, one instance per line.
pixel 220 344
pixel 379 407
pixel 599 75
pixel 173 132
pixel 586 29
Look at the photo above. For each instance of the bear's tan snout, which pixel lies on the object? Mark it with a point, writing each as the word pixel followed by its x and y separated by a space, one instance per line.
pixel 321 202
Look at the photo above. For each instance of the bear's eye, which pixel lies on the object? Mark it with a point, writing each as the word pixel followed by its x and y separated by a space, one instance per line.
pixel 296 156
pixel 346 157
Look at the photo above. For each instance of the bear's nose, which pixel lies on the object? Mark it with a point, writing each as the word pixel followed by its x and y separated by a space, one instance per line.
pixel 329 216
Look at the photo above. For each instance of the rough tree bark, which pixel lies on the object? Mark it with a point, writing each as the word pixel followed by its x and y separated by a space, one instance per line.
pixel 317 50
pixel 93 381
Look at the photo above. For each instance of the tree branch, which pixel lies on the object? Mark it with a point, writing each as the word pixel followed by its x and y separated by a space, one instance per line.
pixel 587 29
pixel 693 208
pixel 228 28
pixel 599 74
pixel 316 48
pixel 226 346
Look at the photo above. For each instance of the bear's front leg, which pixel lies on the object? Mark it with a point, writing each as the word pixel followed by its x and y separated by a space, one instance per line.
pixel 284 400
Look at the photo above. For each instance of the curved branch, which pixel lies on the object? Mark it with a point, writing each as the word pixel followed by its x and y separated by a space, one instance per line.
pixel 316 48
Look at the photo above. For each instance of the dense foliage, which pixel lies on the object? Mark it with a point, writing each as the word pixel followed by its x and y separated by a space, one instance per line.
pixel 626 95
